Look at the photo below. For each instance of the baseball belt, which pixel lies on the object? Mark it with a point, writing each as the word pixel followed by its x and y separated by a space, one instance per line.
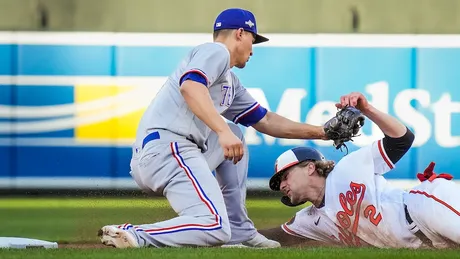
pixel 418 233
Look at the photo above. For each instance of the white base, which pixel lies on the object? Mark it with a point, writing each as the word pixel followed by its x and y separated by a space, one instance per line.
pixel 22 243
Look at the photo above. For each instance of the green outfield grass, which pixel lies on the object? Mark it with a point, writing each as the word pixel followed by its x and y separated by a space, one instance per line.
pixel 203 253
pixel 77 220
pixel 71 220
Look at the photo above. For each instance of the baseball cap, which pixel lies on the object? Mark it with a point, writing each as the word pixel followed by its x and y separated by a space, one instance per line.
pixel 291 158
pixel 235 18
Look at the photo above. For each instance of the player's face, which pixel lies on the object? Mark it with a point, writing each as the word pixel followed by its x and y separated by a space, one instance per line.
pixel 244 47
pixel 294 183
pixel 301 183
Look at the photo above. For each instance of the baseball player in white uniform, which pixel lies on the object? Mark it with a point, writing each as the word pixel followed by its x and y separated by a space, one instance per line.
pixel 182 138
pixel 354 205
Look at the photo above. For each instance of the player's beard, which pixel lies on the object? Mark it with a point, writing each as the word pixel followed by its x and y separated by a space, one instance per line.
pixel 293 197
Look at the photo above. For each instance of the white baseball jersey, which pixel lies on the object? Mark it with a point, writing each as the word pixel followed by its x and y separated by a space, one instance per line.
pixel 362 203
pixel 434 208
pixel 361 207
pixel 313 223
pixel 169 110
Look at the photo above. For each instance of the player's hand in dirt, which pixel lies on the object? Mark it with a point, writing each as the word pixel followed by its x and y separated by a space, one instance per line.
pixel 232 146
pixel 355 99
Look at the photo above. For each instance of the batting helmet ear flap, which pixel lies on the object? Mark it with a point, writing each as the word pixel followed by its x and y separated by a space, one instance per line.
pixel 286 201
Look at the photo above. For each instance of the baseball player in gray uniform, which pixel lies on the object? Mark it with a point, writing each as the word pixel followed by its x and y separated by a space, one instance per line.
pixel 182 138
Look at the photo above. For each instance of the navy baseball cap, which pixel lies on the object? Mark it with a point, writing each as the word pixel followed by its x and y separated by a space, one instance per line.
pixel 291 158
pixel 235 18
pixel 288 159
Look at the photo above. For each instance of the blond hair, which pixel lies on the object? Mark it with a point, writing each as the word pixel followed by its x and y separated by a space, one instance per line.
pixel 322 167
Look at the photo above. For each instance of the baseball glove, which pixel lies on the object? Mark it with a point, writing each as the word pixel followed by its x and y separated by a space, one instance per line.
pixel 344 126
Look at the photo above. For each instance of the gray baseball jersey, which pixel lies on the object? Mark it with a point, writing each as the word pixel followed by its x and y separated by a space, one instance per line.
pixel 211 209
pixel 169 111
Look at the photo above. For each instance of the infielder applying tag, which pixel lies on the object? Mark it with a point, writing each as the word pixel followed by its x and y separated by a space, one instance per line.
pixel 182 138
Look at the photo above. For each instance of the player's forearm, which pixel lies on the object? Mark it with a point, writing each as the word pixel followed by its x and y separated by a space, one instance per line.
pixel 287 240
pixel 389 125
pixel 200 103
pixel 280 127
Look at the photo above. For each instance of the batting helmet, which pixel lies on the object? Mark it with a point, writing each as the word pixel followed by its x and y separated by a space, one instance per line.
pixel 288 159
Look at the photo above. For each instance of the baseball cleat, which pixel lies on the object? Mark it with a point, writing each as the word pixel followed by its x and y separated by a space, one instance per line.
pixel 119 238
pixel 260 241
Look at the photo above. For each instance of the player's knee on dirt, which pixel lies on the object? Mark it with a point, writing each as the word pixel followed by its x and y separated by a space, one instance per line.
pixel 236 130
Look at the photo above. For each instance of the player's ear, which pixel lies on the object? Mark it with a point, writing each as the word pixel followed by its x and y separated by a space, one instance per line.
pixel 311 168
pixel 239 33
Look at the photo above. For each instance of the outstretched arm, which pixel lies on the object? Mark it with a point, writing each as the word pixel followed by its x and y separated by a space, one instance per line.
pixel 280 127
pixel 287 240
pixel 398 138
pixel 390 126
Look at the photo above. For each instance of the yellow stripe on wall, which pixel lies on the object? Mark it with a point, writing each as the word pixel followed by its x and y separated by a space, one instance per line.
pixel 123 127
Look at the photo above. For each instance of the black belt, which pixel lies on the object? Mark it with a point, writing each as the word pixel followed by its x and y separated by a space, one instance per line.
pixel 419 233
pixel 408 218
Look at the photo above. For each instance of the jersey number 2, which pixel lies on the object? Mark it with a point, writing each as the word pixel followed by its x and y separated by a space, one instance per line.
pixel 369 213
